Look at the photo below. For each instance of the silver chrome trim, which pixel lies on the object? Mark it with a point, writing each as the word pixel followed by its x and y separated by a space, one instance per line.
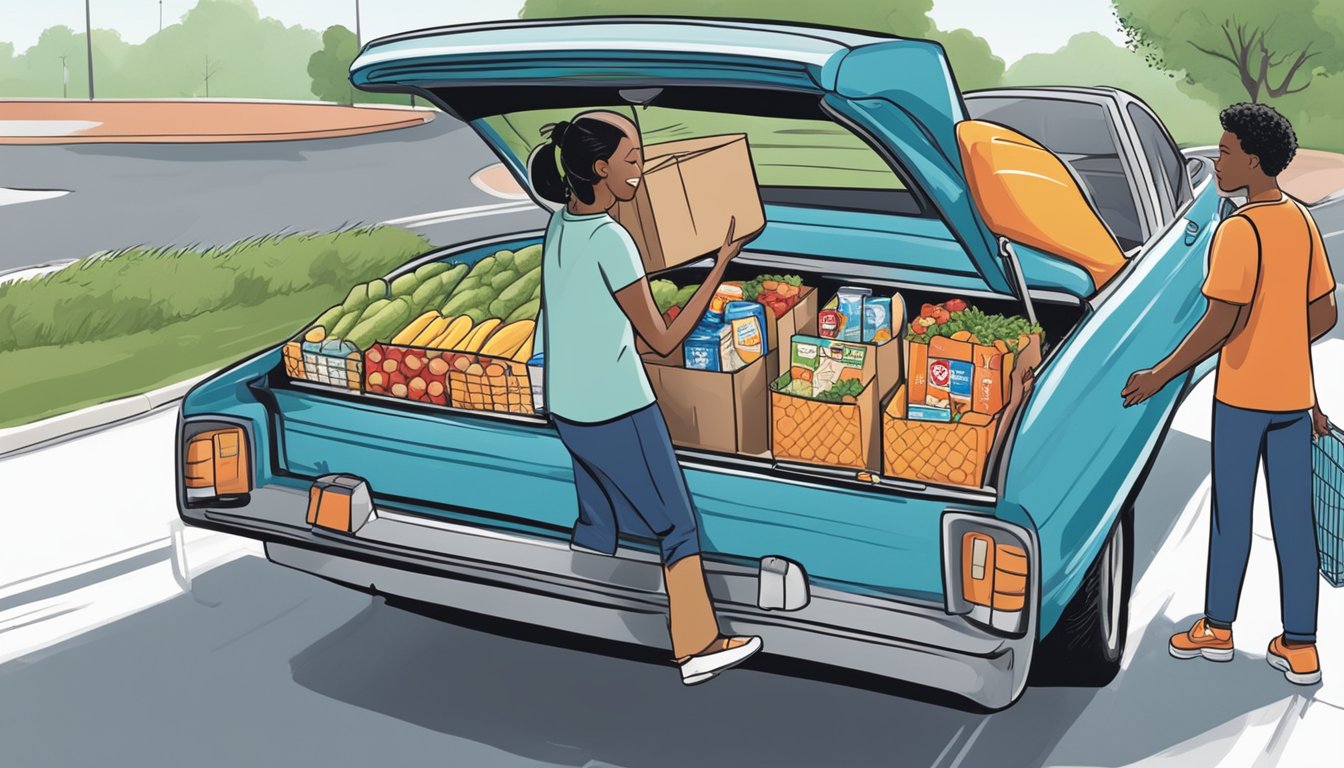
pixel 542 581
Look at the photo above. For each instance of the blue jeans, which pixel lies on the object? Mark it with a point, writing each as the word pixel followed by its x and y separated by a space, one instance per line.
pixel 628 481
pixel 1240 438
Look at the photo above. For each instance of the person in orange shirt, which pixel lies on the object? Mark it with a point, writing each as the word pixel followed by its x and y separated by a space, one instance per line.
pixel 1270 294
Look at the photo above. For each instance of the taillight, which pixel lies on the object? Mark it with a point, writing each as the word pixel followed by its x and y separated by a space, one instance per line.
pixel 994 580
pixel 215 464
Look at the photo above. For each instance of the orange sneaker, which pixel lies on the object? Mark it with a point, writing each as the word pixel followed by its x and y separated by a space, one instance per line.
pixel 1202 640
pixel 1298 663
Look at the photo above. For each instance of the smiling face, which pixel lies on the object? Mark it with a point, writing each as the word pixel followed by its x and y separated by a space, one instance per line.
pixel 1234 166
pixel 623 172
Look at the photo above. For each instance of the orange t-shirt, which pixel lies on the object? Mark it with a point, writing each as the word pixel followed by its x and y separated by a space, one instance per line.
pixel 1269 258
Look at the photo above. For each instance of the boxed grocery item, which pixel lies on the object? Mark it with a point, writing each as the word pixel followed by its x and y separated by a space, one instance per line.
pixel 886 352
pixel 951 447
pixel 960 358
pixel 691 189
pixel 724 411
pixel 824 408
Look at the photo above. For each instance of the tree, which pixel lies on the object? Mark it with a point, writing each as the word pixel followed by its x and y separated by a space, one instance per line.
pixel 970 56
pixel 1239 48
pixel 329 67
pixel 1090 58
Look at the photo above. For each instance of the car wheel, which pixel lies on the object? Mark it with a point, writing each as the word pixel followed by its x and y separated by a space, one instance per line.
pixel 1088 642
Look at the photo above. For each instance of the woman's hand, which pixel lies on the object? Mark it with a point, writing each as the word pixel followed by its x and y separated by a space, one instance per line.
pixel 731 247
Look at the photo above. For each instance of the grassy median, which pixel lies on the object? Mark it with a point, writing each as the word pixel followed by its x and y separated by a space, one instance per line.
pixel 127 322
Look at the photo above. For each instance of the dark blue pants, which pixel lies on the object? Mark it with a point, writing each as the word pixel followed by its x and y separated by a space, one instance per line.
pixel 1240 438
pixel 628 481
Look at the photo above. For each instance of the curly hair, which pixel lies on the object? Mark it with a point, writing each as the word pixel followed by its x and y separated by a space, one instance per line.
pixel 1262 132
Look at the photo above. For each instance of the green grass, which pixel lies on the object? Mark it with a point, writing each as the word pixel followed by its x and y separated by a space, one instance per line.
pixel 129 322
pixel 786 152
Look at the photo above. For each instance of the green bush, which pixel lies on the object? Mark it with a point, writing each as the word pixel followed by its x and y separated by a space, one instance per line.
pixel 137 289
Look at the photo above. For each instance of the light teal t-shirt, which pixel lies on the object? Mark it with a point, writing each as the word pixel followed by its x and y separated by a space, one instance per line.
pixel 593 372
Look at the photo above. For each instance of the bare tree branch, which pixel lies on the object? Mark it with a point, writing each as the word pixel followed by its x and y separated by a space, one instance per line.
pixel 1283 88
pixel 1215 54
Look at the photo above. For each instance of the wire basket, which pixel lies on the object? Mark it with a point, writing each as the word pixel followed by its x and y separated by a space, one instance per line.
pixel 410 373
pixel 1327 497
pixel 485 383
pixel 332 364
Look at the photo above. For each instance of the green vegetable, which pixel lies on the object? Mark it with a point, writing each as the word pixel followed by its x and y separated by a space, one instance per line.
pixel 327 320
pixel 527 311
pixel 684 295
pixel 377 289
pixel 484 268
pixel 430 292
pixel 527 259
pixel 476 298
pixel 405 285
pixel 842 389
pixel 515 294
pixel 503 279
pixel 345 325
pixel 664 293
pixel 504 260
pixel 374 308
pixel 433 269
pixel 392 317
pixel 477 315
pixel 986 328
pixel 452 278
pixel 356 300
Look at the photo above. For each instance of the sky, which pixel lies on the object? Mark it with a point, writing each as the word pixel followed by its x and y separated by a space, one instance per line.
pixel 1013 28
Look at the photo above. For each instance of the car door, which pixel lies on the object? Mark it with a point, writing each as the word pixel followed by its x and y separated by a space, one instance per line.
pixel 1079 452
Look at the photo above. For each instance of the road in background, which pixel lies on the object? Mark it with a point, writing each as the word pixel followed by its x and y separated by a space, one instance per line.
pixel 176 194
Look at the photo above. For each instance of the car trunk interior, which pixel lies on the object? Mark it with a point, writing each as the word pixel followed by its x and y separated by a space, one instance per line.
pixel 1056 317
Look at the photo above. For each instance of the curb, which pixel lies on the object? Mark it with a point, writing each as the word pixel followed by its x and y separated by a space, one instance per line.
pixel 67 426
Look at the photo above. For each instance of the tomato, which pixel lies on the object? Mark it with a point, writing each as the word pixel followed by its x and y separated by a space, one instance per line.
pixel 954 305
pixel 941 316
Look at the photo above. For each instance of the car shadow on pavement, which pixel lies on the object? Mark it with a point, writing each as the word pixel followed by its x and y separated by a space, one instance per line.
pixel 537 695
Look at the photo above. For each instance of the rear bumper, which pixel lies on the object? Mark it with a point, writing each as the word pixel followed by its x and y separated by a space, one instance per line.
pixel 542 581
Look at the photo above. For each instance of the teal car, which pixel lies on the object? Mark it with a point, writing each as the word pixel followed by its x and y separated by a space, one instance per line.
pixel 855 147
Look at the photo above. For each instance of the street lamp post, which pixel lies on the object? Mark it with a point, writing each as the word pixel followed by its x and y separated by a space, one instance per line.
pixel 65 79
pixel 88 41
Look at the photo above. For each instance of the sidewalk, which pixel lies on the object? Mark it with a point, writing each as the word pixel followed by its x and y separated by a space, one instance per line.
pixel 84 122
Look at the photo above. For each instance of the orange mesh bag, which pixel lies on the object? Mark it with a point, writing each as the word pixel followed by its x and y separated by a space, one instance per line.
pixel 487 383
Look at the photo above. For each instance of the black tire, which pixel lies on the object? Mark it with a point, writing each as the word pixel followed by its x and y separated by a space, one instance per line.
pixel 1086 645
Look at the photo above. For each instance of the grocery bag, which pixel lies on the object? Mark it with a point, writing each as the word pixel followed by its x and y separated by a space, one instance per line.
pixel 1327 500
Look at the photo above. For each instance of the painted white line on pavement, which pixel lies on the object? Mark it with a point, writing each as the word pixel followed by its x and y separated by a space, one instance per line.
pixel 63 574
pixel 513 208
pixel 471 211
pixel 15 196
pixel 40 624
pixel 28 273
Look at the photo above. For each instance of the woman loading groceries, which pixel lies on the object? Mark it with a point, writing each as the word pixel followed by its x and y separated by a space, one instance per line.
pixel 595 298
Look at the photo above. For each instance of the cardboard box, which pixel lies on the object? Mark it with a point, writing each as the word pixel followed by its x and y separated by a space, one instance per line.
pixel 723 411
pixel 888 357
pixel 801 320
pixel 829 433
pixel 691 189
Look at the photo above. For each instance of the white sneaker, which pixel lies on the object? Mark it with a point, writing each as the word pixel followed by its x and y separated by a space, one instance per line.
pixel 698 669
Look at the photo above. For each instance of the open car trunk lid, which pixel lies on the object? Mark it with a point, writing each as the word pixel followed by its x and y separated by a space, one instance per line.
pixel 481 72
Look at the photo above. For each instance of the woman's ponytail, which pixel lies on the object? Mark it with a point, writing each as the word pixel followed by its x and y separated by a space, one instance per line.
pixel 544 167
pixel 563 164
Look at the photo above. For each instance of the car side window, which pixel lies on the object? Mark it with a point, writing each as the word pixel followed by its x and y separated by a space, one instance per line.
pixel 1080 134
pixel 1164 161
